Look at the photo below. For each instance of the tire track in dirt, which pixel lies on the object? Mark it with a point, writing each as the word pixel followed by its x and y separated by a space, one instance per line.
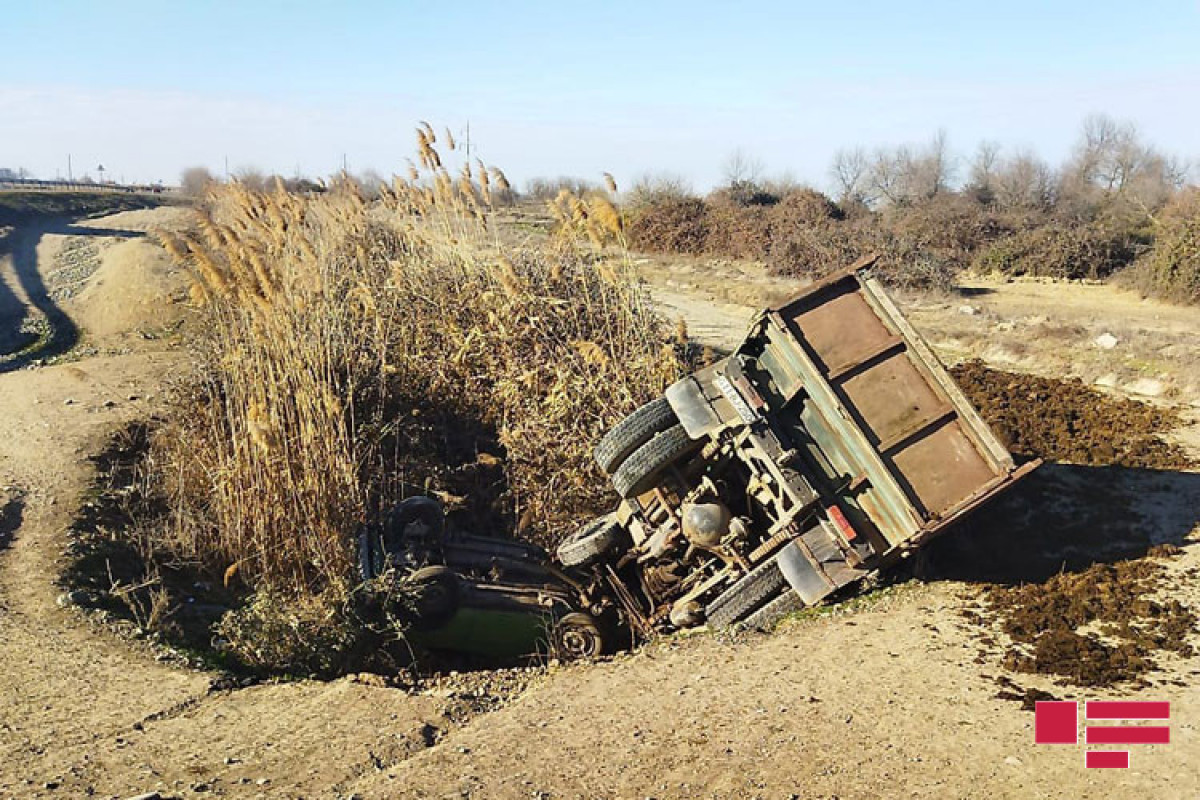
pixel 82 712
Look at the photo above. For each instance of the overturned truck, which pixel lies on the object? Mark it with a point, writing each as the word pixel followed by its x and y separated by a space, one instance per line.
pixel 829 444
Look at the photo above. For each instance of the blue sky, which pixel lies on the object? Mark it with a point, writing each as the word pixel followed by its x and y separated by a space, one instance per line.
pixel 148 88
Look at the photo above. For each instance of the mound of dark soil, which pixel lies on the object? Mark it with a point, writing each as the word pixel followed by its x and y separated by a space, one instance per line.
pixel 1095 627
pixel 1065 420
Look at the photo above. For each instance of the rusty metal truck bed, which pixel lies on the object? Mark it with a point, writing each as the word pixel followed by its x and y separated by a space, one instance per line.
pixel 830 443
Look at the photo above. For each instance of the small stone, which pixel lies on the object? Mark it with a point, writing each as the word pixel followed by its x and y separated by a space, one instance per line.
pixel 75 597
pixel 146 796
pixel 371 679
pixel 1013 760
pixel 70 401
pixel 970 311
pixel 1148 387
pixel 1106 341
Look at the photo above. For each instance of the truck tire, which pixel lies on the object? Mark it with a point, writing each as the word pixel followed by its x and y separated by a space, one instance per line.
pixel 638 472
pixel 594 540
pixel 577 636
pixel 749 593
pixel 415 509
pixel 632 432
pixel 435 596
pixel 371 558
pixel 765 618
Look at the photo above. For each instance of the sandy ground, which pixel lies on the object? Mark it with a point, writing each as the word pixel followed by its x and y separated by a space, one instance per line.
pixel 894 699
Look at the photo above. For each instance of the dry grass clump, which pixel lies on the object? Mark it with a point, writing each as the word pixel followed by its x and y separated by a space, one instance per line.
pixel 360 351
pixel 303 635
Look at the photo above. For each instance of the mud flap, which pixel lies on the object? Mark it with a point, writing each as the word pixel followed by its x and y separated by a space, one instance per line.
pixel 801 575
pixel 695 413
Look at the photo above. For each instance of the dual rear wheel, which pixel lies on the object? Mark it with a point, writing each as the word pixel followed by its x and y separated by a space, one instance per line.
pixel 639 448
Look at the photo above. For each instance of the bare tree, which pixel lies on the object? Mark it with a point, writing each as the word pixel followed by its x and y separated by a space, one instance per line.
pixel 1112 163
pixel 653 188
pixel 252 178
pixel 933 169
pixel 782 184
pixel 888 175
pixel 850 171
pixel 1024 181
pixel 195 181
pixel 741 169
pixel 903 176
pixel 1103 143
pixel 545 189
pixel 982 178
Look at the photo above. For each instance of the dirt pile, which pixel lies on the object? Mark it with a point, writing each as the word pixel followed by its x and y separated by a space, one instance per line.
pixel 77 260
pixel 128 288
pixel 1065 420
pixel 1095 627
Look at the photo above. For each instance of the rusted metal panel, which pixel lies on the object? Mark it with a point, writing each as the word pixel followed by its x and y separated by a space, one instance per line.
pixel 943 469
pixel 848 449
pixel 883 409
pixel 974 425
pixel 891 398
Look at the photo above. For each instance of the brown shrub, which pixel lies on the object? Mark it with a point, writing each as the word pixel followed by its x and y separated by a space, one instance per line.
pixel 1171 268
pixel 926 244
pixel 1059 250
pixel 950 225
pixel 804 233
pixel 676 226
pixel 806 207
pixel 274 632
pixel 736 229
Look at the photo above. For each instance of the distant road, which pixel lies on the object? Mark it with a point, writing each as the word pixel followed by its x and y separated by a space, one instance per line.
pixel 29 184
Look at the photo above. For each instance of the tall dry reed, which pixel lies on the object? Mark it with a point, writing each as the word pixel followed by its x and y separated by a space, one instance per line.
pixel 346 342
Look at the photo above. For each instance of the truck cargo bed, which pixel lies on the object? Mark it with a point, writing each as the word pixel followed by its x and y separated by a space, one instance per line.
pixel 914 453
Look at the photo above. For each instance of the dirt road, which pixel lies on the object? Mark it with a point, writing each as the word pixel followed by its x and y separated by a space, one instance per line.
pixel 896 699
pixel 82 713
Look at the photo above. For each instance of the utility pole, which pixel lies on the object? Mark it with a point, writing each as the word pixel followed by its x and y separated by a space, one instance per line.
pixel 344 170
pixel 467 140
pixel 70 177
pixel 227 169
